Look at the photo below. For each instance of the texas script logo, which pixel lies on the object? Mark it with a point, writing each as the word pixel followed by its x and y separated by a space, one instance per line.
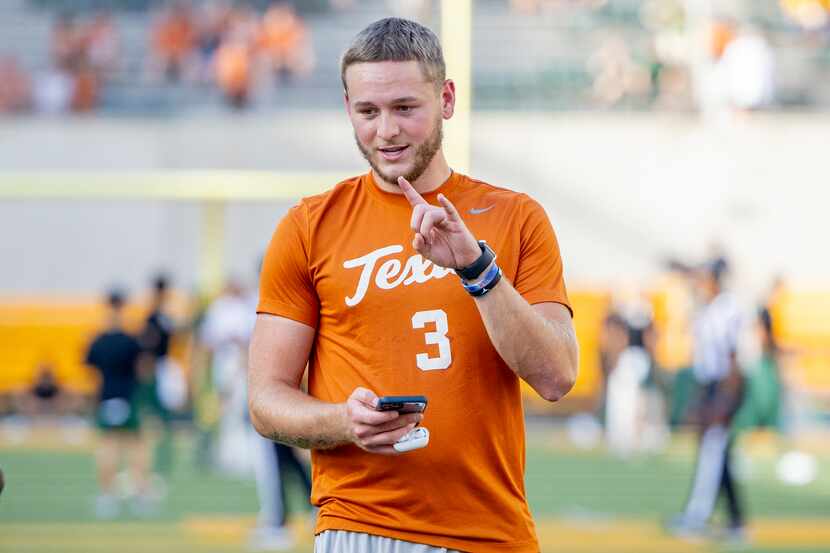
pixel 391 273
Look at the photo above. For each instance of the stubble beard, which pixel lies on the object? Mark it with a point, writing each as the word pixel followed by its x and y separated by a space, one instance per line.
pixel 424 154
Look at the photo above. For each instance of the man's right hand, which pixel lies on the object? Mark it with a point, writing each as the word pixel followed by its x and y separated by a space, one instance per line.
pixel 375 431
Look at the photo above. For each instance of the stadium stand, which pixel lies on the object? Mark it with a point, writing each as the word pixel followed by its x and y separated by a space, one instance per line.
pixel 553 73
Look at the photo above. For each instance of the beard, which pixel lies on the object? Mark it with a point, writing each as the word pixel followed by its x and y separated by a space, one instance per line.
pixel 423 156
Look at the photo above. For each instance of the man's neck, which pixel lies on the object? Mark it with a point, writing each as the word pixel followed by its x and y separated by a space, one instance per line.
pixel 436 174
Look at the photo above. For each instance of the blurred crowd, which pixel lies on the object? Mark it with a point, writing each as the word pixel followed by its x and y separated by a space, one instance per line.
pixel 83 56
pixel 231 46
pixel 718 63
pixel 734 70
pixel 222 45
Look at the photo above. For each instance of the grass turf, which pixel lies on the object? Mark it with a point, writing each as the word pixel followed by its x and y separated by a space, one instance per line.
pixel 582 501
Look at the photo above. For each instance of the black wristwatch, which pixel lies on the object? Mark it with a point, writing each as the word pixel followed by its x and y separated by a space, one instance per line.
pixel 474 270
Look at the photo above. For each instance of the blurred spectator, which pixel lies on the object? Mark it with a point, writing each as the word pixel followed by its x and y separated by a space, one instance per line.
pixel 762 408
pixel 173 40
pixel 634 407
pixel 226 330
pixel 45 397
pixel 155 341
pixel 285 43
pixel 67 43
pixel 83 57
pixel 102 45
pixel 115 355
pixel 15 86
pixel 86 87
pixel 613 340
pixel 214 22
pixel 721 33
pixel 235 57
pixel 233 70
pixel 616 76
pixel 56 90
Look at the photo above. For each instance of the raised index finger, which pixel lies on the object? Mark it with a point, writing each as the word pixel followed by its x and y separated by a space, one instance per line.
pixel 410 193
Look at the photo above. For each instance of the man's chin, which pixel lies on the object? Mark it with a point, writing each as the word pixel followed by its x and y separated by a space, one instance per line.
pixel 390 172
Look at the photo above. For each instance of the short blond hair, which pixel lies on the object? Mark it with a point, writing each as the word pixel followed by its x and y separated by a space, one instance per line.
pixel 395 39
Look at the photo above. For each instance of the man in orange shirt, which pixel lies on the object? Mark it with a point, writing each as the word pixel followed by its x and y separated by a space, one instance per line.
pixel 358 283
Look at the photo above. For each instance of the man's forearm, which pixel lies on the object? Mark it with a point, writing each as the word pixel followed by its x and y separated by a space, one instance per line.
pixel 287 415
pixel 540 351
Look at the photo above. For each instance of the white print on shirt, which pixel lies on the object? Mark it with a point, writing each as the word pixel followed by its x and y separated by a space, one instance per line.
pixel 389 275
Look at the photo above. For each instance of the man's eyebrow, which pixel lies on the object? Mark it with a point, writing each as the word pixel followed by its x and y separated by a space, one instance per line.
pixel 403 100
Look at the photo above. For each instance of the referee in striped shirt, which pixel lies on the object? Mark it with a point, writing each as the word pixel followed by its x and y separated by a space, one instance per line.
pixel 717 326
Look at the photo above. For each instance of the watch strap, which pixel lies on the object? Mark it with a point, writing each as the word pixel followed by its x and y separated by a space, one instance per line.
pixel 474 270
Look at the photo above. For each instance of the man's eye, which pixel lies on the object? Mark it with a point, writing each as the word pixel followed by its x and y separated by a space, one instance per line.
pixel 405 109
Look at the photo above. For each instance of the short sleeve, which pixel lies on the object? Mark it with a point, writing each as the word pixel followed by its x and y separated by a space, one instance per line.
pixel 285 286
pixel 539 275
pixel 92 356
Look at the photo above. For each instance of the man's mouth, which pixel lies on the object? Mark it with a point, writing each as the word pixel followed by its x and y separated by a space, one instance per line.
pixel 392 153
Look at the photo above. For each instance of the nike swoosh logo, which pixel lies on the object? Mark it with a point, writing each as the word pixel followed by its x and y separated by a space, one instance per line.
pixel 480 210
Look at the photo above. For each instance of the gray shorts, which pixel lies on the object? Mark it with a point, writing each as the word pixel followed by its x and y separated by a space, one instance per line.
pixel 342 541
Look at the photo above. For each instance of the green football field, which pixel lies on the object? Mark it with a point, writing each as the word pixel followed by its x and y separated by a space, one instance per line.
pixel 583 501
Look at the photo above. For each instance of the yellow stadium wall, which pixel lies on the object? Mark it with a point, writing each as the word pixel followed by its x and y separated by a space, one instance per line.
pixel 802 326
pixel 37 331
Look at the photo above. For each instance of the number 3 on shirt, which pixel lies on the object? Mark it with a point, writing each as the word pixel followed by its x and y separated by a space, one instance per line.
pixel 439 337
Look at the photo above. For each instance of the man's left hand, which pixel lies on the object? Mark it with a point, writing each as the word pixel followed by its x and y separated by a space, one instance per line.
pixel 440 234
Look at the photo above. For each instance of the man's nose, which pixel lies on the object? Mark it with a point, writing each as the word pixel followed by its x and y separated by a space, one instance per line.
pixel 387 127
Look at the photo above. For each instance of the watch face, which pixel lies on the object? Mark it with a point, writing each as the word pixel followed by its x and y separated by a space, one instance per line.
pixel 474 270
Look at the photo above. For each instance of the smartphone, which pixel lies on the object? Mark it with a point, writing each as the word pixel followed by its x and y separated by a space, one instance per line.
pixel 402 404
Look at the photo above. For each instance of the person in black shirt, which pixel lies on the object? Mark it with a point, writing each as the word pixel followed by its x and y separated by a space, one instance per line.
pixel 155 342
pixel 116 355
pixel 158 330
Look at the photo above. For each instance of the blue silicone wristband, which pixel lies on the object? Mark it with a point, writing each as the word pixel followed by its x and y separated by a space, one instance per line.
pixel 486 284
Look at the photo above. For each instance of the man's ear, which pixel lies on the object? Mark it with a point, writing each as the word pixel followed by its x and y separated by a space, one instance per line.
pixel 447 99
pixel 346 103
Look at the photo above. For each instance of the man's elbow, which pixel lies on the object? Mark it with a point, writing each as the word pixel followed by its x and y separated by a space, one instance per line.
pixel 257 419
pixel 561 381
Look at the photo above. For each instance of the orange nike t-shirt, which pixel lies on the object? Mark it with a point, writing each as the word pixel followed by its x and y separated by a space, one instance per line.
pixel 390 321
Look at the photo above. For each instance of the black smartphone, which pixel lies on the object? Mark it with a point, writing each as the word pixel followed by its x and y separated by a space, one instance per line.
pixel 402 404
